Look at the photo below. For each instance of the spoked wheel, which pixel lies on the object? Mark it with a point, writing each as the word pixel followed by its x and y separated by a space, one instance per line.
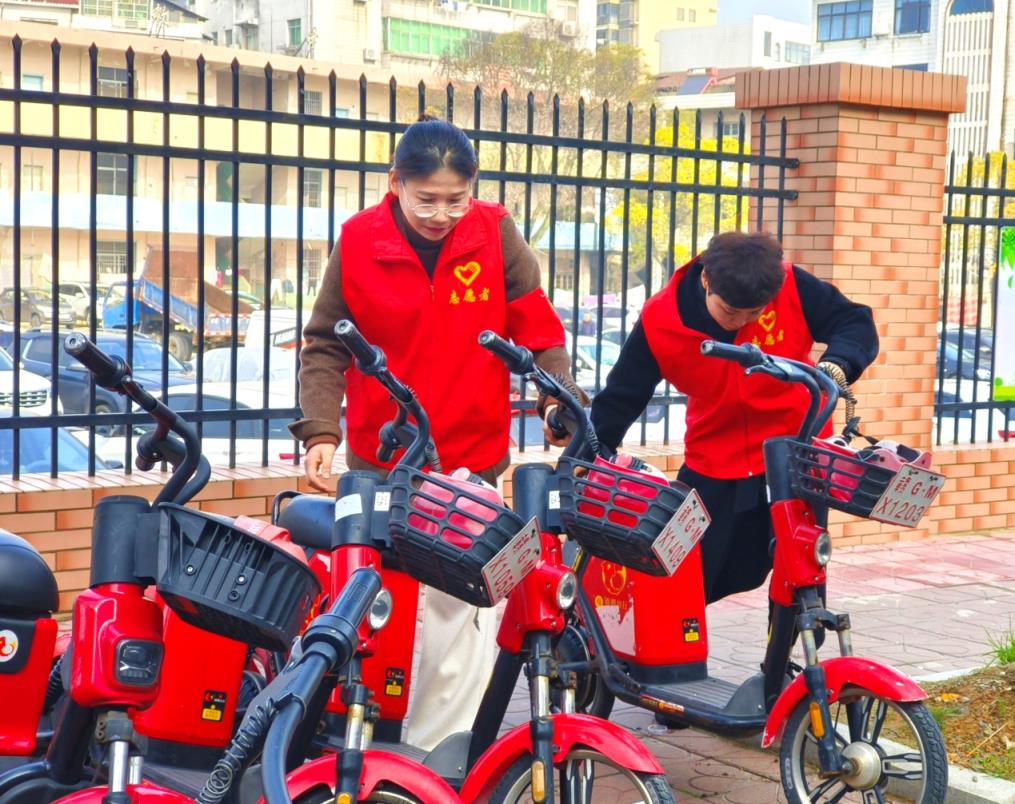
pixel 585 777
pixel 591 697
pixel 895 753
pixel 384 794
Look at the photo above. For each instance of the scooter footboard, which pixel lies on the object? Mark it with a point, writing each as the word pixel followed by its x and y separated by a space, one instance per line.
pixel 569 731
pixel 842 671
pixel 378 767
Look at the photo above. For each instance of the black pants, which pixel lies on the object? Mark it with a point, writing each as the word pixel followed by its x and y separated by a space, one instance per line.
pixel 735 549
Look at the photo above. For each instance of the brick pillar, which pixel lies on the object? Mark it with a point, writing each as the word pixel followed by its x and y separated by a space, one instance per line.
pixel 872 146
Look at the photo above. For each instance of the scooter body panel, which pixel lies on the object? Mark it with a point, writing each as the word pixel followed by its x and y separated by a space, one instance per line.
pixel 26 655
pixel 840 672
pixel 144 793
pixel 569 731
pixel 378 767
pixel 650 620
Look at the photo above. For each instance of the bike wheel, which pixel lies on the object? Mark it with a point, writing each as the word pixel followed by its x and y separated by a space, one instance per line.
pixel 585 777
pixel 896 750
pixel 384 794
pixel 591 697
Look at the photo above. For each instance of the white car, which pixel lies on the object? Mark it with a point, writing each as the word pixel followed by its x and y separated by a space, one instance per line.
pixel 33 390
pixel 282 366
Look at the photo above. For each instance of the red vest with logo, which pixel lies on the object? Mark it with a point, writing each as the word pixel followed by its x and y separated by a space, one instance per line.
pixel 730 414
pixel 429 329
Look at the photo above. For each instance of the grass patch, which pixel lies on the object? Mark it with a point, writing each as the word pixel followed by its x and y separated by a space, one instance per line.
pixel 1002 646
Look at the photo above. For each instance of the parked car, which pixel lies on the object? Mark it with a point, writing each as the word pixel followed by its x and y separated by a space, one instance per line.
pixel 964 362
pixel 78 296
pixel 36 308
pixel 217 364
pixel 35 454
pixel 73 378
pixel 33 390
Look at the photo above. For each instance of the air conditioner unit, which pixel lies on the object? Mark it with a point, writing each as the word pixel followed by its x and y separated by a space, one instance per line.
pixel 569 28
pixel 249 21
pixel 369 54
pixel 881 25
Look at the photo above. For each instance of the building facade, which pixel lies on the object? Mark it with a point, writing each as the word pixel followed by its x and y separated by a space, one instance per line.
pixel 973 38
pixel 165 19
pixel 762 41
pixel 640 22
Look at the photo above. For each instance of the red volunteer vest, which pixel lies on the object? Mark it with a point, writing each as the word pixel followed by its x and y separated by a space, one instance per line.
pixel 729 414
pixel 428 328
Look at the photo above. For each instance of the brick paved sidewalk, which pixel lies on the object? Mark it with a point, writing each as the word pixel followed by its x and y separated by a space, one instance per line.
pixel 927 607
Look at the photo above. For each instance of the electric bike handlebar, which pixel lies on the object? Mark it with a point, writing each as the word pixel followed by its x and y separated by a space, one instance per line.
pixel 572 419
pixel 191 470
pixel 823 390
pixel 419 447
pixel 329 643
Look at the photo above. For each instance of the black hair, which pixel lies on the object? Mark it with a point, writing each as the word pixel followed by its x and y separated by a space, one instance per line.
pixel 744 268
pixel 430 144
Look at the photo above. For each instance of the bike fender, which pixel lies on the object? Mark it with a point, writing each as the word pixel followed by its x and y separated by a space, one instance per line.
pixel 378 766
pixel 569 731
pixel 842 671
pixel 144 793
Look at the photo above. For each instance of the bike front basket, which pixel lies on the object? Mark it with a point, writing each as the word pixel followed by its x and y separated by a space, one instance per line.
pixel 446 532
pixel 224 580
pixel 615 514
pixel 841 481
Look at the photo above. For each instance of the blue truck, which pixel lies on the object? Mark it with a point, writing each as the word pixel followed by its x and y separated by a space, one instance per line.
pixel 149 305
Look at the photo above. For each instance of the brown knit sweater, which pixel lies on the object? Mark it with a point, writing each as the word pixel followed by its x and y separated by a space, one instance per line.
pixel 323 361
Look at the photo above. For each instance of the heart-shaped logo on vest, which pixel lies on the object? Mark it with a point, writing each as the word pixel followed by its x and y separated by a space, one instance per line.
pixel 467 273
pixel 767 320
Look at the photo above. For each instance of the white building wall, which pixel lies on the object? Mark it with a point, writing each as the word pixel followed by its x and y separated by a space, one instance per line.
pixel 727 46
pixel 967 51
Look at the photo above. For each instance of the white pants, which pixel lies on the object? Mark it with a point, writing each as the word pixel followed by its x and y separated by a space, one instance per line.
pixel 458 648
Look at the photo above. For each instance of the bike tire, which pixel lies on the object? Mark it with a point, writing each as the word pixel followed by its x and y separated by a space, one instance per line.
pixel 930 787
pixel 514 786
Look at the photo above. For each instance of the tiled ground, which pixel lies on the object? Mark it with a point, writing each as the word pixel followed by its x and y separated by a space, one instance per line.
pixel 926 607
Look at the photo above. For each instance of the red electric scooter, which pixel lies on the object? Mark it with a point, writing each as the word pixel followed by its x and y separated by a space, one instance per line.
pixel 225 588
pixel 833 714
pixel 456 536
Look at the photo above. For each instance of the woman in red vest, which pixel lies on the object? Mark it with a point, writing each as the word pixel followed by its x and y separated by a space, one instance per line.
pixel 422 274
pixel 738 290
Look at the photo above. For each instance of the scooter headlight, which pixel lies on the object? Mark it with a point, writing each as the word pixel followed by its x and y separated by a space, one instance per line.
pixel 823 548
pixel 567 590
pixel 380 610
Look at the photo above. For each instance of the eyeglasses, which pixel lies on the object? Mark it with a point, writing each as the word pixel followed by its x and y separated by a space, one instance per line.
pixel 427 211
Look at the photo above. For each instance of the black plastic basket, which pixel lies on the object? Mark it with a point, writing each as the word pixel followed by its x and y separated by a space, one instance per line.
pixel 230 582
pixel 445 535
pixel 614 516
pixel 843 482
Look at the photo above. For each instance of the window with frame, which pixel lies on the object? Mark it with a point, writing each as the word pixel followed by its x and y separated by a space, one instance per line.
pixel 133 10
pixel 229 37
pixel 627 12
pixel 31 81
pixel 112 82
pixel 768 43
pixel 798 53
pixel 692 15
pixel 423 38
pixel 313 182
pixel 849 20
pixel 680 15
pixel 111 256
pixel 111 174
pixel 97 8
pixel 295 28
pixel 728 129
pixel 312 263
pixel 912 16
pixel 31 178
pixel 920 68
pixel 311 101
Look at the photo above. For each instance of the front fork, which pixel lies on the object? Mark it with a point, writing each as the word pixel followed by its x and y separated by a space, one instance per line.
pixel 543 673
pixel 361 714
pixel 116 730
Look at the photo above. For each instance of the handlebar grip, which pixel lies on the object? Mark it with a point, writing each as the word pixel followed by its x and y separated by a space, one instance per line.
pixel 746 354
pixel 339 627
pixel 108 371
pixel 367 355
pixel 518 359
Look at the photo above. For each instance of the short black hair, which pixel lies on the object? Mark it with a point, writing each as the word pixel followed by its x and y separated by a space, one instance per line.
pixel 744 268
pixel 430 144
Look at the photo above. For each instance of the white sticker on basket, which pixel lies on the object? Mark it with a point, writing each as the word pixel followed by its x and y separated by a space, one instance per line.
pixel 681 533
pixel 553 501
pixel 513 562
pixel 908 497
pixel 382 501
pixel 350 505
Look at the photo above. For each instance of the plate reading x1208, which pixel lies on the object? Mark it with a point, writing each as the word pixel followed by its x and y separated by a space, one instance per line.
pixel 516 559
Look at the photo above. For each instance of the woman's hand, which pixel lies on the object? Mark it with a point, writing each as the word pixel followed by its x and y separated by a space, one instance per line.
pixel 317 466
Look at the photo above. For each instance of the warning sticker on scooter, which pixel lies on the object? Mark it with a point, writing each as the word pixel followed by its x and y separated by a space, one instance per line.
pixel 908 497
pixel 516 559
pixel 681 533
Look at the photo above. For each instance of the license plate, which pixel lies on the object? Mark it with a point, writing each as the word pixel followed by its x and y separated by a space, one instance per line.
pixel 681 533
pixel 513 562
pixel 908 497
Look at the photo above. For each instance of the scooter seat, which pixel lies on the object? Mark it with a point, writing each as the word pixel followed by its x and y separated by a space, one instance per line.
pixel 27 585
pixel 309 519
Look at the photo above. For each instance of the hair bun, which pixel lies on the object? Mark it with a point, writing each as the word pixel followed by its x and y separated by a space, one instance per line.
pixel 425 117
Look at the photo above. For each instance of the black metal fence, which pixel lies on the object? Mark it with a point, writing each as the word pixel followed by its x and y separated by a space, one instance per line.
pixel 238 199
pixel 971 402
